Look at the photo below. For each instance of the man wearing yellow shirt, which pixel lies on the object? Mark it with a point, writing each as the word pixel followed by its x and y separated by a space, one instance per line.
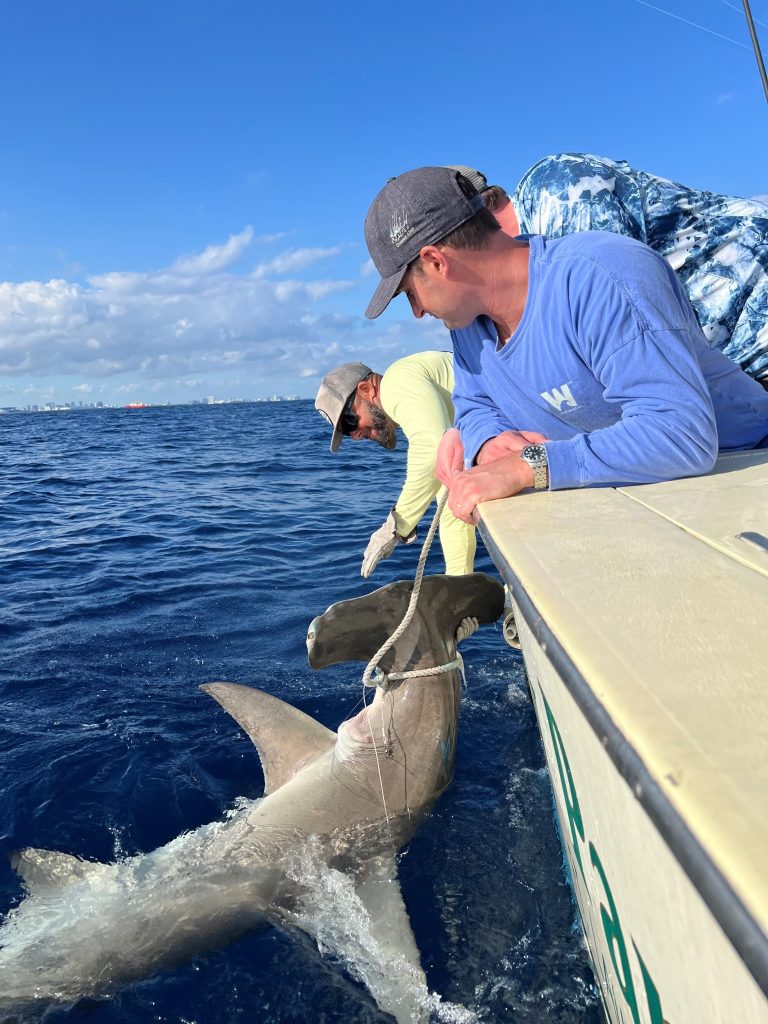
pixel 415 395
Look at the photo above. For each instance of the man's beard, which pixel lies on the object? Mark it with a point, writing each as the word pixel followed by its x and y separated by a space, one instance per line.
pixel 384 426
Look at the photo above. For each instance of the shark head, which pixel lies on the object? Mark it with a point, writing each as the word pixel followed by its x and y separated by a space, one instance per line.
pixel 354 630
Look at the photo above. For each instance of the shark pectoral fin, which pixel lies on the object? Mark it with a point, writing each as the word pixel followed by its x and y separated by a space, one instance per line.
pixel 365 924
pixel 45 869
pixel 390 925
pixel 285 737
pixel 398 984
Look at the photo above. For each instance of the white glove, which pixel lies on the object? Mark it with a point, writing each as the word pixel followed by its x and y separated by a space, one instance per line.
pixel 382 543
pixel 466 628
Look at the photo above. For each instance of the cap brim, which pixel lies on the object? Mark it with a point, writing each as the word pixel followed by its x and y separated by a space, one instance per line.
pixel 384 294
pixel 336 439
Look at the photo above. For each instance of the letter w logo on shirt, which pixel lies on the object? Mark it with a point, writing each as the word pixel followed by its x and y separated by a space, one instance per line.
pixel 558 397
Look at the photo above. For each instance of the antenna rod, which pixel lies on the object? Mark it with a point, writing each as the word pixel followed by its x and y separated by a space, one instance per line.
pixel 756 47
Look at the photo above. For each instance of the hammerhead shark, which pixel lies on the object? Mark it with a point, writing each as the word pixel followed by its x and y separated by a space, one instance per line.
pixel 336 809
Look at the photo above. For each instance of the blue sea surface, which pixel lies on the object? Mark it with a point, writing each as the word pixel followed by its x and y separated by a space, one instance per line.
pixel 146 551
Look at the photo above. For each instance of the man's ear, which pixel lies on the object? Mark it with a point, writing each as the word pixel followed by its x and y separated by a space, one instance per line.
pixel 367 389
pixel 434 260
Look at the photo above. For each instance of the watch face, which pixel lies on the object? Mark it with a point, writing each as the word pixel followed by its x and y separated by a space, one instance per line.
pixel 534 453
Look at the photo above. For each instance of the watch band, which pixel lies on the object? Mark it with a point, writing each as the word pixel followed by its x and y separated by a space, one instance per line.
pixel 536 457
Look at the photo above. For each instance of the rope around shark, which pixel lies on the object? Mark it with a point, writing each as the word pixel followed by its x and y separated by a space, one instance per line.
pixel 384 679
pixel 466 628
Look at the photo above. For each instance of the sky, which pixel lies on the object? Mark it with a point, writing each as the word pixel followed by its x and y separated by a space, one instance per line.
pixel 183 184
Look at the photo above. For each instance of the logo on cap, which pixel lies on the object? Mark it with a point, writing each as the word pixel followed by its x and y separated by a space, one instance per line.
pixel 399 231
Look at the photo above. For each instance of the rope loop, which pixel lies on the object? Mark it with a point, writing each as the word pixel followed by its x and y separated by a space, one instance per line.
pixel 385 679
pixel 411 610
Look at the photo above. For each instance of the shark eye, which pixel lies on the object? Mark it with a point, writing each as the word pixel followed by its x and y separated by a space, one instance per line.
pixel 310 635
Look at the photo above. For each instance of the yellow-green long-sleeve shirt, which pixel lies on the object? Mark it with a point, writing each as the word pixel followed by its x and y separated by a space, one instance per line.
pixel 416 392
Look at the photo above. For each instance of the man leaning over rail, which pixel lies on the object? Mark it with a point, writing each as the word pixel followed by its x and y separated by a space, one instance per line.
pixel 414 393
pixel 717 245
pixel 589 340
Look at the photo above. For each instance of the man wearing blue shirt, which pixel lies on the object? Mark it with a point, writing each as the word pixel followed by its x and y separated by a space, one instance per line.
pixel 588 341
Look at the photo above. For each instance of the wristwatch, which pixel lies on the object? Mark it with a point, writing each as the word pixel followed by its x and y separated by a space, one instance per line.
pixel 536 457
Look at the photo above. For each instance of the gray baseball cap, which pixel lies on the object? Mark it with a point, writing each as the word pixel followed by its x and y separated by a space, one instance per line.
pixel 336 388
pixel 414 209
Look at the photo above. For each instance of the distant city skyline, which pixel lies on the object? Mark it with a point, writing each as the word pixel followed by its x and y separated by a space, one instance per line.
pixel 210 400
pixel 182 200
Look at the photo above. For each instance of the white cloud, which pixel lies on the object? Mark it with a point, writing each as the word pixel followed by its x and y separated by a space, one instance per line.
pixel 196 327
pixel 191 318
pixel 296 259
pixel 278 236
pixel 215 257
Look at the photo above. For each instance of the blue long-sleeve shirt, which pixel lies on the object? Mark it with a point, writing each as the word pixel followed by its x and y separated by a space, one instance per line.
pixel 609 362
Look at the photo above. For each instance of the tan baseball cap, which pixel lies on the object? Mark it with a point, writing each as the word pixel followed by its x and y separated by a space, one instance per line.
pixel 336 388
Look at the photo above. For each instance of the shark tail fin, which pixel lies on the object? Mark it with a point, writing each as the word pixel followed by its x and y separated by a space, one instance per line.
pixel 47 869
pixel 285 737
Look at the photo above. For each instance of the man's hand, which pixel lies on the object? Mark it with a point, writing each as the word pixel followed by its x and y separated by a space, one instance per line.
pixel 382 543
pixel 450 456
pixel 510 442
pixel 499 479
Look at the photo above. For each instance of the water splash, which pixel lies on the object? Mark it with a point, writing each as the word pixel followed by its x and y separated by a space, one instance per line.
pixel 334 914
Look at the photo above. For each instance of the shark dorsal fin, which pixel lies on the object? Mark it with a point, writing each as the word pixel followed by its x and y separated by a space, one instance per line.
pixel 47 869
pixel 285 737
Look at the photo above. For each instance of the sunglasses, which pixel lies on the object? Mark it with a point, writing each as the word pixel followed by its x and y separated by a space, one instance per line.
pixel 349 421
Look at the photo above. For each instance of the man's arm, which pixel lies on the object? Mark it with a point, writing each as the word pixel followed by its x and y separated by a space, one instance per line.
pixel 511 442
pixel 665 432
pixel 667 428
pixel 477 417
pixel 415 404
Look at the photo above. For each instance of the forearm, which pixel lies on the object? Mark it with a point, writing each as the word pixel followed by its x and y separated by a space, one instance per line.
pixel 665 432
pixel 477 416
pixel 629 453
pixel 667 426
pixel 458 541
pixel 421 485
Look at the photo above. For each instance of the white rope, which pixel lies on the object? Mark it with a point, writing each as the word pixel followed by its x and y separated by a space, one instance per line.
pixel 409 613
pixel 465 629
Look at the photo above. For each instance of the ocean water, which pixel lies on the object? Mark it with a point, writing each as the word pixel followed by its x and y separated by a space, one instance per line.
pixel 144 552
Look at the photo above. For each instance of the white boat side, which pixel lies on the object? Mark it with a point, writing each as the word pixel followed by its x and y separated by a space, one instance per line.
pixel 643 613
